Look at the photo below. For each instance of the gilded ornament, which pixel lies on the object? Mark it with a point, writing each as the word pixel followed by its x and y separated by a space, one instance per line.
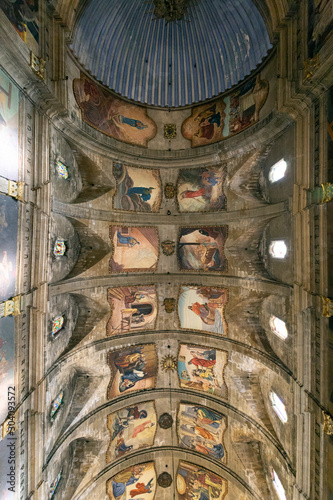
pixel 328 424
pixel 169 305
pixel 327 307
pixel 169 191
pixel 37 64
pixel 170 131
pixel 310 67
pixel 169 363
pixel 168 247
pixel 327 192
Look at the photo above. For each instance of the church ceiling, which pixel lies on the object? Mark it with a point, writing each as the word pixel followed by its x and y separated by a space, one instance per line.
pixel 147 59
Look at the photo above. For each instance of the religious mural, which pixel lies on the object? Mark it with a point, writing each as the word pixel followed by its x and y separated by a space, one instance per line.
pixel 202 248
pixel 201 429
pixel 138 481
pixel 133 308
pixel 114 117
pixel 194 482
pixel 202 368
pixel 134 249
pixel 7 358
pixel 202 308
pixel 138 189
pixel 9 117
pixel 227 115
pixel 132 369
pixel 23 14
pixel 131 428
pixel 8 246
pixel 201 189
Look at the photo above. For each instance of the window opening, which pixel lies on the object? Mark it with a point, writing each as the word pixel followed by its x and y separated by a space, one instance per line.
pixel 59 248
pixel 278 486
pixel 279 407
pixel 278 249
pixel 277 171
pixel 62 170
pixel 56 404
pixel 278 327
pixel 55 484
pixel 57 324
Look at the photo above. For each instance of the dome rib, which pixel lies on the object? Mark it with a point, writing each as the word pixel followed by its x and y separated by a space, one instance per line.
pixel 147 60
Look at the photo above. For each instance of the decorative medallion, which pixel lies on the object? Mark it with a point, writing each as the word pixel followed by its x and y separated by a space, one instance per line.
pixel 169 305
pixel 169 363
pixel 170 131
pixel 164 480
pixel 168 247
pixel 165 421
pixel 169 191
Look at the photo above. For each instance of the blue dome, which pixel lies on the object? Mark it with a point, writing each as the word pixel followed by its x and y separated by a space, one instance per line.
pixel 216 45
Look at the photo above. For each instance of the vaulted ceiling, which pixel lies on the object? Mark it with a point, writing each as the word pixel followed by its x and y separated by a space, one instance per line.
pixel 215 46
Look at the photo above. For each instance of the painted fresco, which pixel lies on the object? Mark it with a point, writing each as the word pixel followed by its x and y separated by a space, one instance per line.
pixel 7 358
pixel 202 368
pixel 138 481
pixel 202 248
pixel 9 118
pixel 8 246
pixel 201 189
pixel 114 117
pixel 23 14
pixel 133 308
pixel 138 189
pixel 132 369
pixel 196 483
pixel 134 249
pixel 202 429
pixel 202 308
pixel 131 429
pixel 227 115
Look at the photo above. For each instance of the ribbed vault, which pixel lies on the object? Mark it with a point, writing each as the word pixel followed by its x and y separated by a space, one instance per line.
pixel 174 64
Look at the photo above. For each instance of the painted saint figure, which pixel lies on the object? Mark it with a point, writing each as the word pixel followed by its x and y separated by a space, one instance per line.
pixel 208 180
pixel 143 192
pixel 127 240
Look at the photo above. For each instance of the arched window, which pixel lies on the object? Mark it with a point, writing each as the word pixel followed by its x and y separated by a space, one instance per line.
pixel 59 248
pixel 278 407
pixel 62 170
pixel 57 324
pixel 56 404
pixel 278 327
pixel 277 171
pixel 55 484
pixel 278 249
pixel 278 486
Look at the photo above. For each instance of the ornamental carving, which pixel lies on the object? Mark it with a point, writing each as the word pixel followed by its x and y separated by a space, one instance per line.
pixel 169 305
pixel 169 191
pixel 168 247
pixel 170 131
pixel 165 421
pixel 164 480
